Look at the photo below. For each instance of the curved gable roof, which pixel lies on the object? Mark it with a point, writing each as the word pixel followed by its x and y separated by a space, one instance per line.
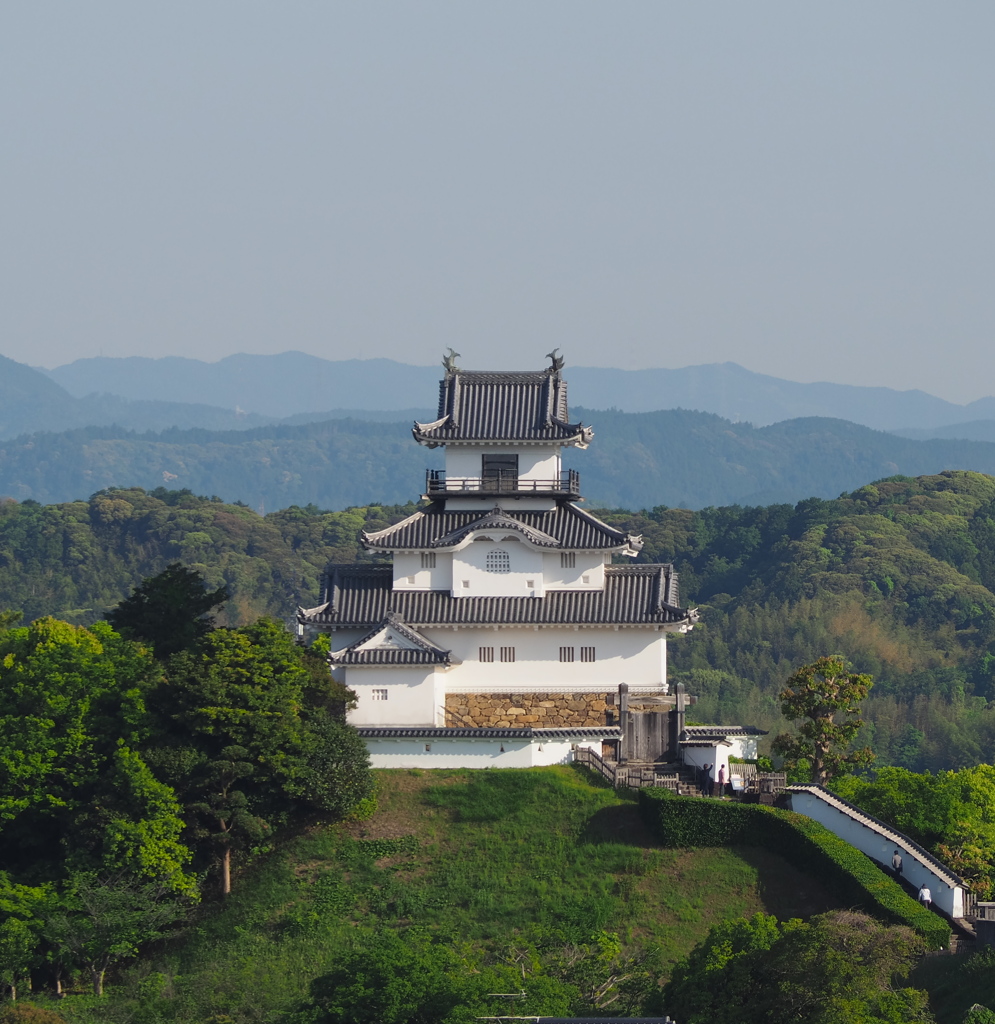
pixel 565 526
pixel 485 405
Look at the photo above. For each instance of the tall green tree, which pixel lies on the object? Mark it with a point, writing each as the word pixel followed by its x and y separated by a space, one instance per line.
pixel 75 793
pixel 826 697
pixel 248 738
pixel 170 611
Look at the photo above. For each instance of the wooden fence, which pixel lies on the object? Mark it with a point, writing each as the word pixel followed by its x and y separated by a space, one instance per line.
pixel 636 777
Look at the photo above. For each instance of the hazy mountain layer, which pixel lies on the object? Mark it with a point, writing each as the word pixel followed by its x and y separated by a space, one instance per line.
pixel 287 384
pixel 638 460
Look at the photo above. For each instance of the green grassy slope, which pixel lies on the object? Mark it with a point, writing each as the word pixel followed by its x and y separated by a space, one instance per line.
pixel 483 859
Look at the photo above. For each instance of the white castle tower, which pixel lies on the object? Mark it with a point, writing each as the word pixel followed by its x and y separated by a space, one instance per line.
pixel 502 631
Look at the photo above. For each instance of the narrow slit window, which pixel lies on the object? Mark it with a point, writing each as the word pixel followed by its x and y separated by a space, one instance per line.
pixel 428 559
pixel 498 561
pixel 587 654
pixel 507 653
pixel 486 653
pixel 379 694
pixel 568 559
pixel 566 654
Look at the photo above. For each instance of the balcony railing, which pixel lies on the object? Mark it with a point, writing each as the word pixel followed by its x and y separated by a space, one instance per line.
pixel 437 484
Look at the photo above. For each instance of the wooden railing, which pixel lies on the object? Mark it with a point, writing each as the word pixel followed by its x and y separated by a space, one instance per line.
pixel 637 777
pixel 500 482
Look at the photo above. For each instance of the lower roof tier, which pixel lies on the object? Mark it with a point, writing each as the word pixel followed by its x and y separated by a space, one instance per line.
pixel 564 526
pixel 361 596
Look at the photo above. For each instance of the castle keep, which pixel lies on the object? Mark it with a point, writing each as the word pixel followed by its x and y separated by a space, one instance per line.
pixel 502 632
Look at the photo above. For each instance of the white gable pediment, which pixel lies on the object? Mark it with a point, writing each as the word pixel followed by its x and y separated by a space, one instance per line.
pixel 387 639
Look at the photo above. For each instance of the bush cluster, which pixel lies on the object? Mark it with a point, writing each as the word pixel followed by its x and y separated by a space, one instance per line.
pixel 679 821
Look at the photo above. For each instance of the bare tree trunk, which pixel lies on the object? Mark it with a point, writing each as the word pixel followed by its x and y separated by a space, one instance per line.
pixel 13 993
pixel 98 981
pixel 58 983
pixel 226 871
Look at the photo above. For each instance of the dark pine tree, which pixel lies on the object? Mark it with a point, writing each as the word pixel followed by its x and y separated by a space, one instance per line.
pixel 170 612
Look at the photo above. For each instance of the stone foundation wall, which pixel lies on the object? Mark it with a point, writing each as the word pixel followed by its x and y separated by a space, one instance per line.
pixel 539 710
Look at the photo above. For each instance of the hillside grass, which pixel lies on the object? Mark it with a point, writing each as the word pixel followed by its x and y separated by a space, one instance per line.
pixel 486 858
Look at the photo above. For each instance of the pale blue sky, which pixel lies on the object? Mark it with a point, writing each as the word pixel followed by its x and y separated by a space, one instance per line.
pixel 806 189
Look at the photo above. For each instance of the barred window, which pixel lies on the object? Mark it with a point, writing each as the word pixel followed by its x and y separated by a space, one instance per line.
pixel 486 653
pixel 568 560
pixel 428 559
pixel 587 654
pixel 498 561
pixel 379 695
pixel 507 653
pixel 566 654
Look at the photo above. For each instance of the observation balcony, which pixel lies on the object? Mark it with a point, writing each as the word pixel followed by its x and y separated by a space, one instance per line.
pixel 502 482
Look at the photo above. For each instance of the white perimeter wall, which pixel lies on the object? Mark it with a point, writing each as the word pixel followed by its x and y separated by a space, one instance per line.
pixel 881 849
pixel 482 753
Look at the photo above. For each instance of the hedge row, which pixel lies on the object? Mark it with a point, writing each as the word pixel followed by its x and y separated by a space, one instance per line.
pixel 854 879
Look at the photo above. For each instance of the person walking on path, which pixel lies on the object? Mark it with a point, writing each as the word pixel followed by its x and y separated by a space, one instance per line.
pixel 925 896
pixel 720 785
pixel 896 863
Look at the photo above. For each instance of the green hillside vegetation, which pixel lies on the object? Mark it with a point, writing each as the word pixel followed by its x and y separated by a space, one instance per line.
pixel 898 576
pixel 537 880
pixel 640 460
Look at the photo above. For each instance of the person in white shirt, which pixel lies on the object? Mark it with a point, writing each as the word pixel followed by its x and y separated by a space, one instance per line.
pixel 925 896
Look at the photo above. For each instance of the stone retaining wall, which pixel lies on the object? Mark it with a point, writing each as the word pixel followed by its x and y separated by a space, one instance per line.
pixel 539 710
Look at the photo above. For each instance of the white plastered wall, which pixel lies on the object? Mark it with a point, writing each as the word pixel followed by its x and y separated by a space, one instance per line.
pixel 472 579
pixel 633 656
pixel 743 747
pixel 415 695
pixel 409 574
pixel 588 572
pixel 534 462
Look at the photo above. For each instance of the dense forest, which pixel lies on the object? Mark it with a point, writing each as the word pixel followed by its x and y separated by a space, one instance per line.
pixel 898 576
pixel 641 460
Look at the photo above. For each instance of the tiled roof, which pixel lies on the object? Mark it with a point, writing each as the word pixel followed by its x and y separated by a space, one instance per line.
pixel 566 525
pixel 360 596
pixel 526 733
pixel 495 406
pixel 698 733
pixel 391 642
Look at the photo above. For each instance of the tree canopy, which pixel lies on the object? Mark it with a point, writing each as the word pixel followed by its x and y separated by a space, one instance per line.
pixel 839 967
pixel 170 611
pixel 826 697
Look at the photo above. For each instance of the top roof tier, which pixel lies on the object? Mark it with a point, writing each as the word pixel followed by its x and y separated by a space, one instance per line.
pixel 483 406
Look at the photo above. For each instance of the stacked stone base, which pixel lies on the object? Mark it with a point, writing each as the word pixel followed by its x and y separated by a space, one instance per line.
pixel 538 710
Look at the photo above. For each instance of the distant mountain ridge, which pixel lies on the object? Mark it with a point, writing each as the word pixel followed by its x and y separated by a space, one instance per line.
pixel 637 460
pixel 290 383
